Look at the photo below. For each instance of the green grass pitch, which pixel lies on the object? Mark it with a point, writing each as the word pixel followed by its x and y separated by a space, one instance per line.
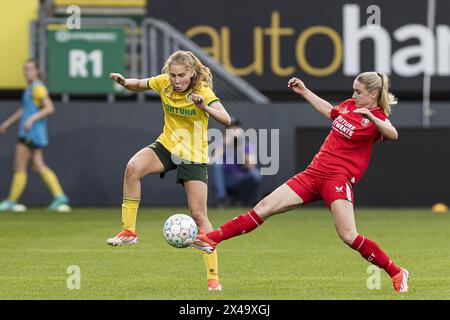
pixel 296 255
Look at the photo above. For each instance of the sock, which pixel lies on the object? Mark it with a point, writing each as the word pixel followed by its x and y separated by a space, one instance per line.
pixel 129 213
pixel 211 265
pixel 370 251
pixel 18 184
pixel 237 226
pixel 51 180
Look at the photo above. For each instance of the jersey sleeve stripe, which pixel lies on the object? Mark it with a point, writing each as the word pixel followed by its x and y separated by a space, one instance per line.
pixel 211 102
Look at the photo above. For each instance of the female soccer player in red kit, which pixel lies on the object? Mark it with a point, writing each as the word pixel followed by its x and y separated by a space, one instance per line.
pixel 344 156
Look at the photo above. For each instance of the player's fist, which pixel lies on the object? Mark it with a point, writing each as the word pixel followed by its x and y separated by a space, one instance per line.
pixel 198 100
pixel 297 85
pixel 118 78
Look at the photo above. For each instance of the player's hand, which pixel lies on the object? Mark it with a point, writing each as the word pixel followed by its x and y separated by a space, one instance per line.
pixel 364 112
pixel 27 126
pixel 117 77
pixel 297 86
pixel 198 101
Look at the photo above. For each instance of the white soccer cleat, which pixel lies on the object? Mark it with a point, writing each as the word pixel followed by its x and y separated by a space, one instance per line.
pixel 123 238
pixel 204 248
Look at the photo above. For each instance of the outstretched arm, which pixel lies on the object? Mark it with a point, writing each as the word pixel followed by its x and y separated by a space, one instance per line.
pixel 130 84
pixel 11 120
pixel 321 105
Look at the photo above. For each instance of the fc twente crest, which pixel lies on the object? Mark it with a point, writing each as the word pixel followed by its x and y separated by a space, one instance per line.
pixel 365 122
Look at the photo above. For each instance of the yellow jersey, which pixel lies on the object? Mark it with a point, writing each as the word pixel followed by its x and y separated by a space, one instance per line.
pixel 185 125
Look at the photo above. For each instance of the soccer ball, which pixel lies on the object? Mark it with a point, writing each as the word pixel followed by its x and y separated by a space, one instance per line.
pixel 180 230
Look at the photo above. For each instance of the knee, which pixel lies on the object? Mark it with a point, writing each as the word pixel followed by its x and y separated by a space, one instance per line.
pixel 132 170
pixel 37 167
pixel 264 208
pixel 348 237
pixel 19 167
pixel 263 205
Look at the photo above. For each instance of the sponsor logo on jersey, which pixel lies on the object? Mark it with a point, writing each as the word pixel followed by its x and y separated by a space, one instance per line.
pixel 343 127
pixel 183 112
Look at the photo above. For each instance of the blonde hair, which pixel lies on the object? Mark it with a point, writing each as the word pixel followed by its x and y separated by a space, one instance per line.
pixel 202 74
pixel 379 81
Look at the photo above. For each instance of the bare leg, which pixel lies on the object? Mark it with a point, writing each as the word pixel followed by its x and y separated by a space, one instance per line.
pixel 37 161
pixel 197 195
pixel 280 200
pixel 344 220
pixel 143 163
pixel 22 157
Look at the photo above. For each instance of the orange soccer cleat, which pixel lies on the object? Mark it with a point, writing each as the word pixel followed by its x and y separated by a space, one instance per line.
pixel 203 243
pixel 214 285
pixel 123 238
pixel 400 281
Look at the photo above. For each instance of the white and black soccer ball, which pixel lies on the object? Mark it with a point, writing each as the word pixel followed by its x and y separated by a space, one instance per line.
pixel 180 230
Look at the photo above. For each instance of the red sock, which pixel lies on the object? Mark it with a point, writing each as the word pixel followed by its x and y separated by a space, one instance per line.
pixel 237 226
pixel 374 254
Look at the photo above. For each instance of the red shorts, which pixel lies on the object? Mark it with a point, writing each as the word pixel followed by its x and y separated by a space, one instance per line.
pixel 311 188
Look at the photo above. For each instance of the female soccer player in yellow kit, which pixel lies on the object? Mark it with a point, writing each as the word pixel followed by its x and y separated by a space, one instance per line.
pixel 185 87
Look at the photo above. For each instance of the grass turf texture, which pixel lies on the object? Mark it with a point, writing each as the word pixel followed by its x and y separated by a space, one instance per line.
pixel 296 255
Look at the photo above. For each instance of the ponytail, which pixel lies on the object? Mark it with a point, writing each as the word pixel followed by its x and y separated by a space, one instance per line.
pixel 386 98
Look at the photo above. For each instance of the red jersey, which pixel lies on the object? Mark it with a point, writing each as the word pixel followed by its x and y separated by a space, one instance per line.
pixel 346 152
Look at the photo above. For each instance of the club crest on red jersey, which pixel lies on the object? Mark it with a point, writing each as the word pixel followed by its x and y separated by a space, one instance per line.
pixel 365 122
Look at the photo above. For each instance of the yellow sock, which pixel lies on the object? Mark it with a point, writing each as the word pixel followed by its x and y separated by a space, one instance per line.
pixel 129 213
pixel 18 184
pixel 211 264
pixel 51 180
